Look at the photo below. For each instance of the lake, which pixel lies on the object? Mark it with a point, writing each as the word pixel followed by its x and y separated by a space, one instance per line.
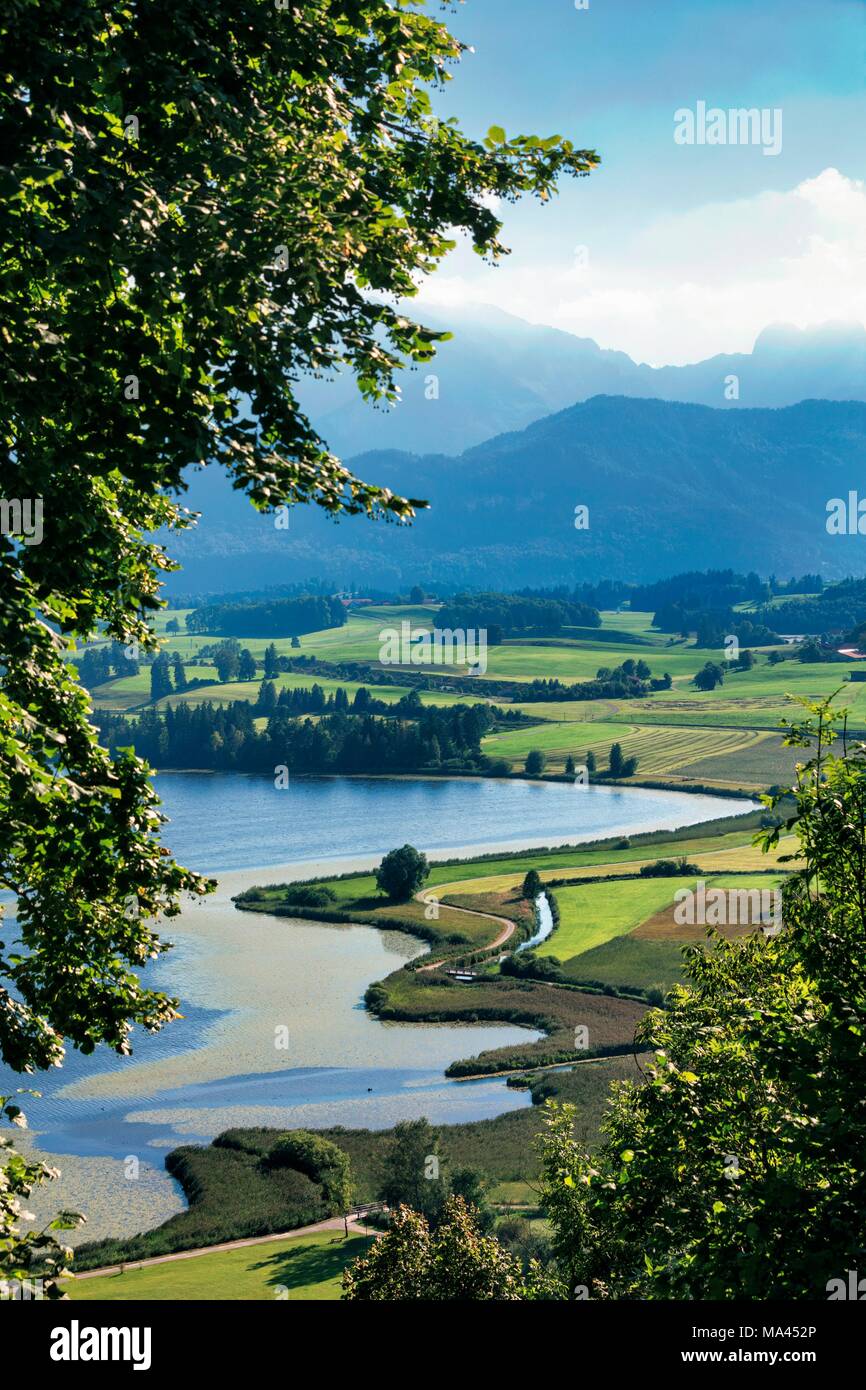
pixel 244 980
pixel 237 820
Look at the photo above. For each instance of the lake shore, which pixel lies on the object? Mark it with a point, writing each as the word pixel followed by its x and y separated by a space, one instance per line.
pixel 236 881
pixel 241 978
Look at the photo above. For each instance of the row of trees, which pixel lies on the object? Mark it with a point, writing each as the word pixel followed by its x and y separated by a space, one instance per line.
pixel 278 617
pixel 510 615
pixel 618 765
pixel 706 589
pixel 106 662
pixel 298 700
pixel 225 738
pixel 632 680
pixel 712 626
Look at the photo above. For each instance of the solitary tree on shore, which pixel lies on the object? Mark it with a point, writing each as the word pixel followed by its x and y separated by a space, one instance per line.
pixel 401 873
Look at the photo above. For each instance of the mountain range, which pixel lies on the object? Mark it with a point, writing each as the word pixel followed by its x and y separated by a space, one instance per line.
pixel 499 374
pixel 669 486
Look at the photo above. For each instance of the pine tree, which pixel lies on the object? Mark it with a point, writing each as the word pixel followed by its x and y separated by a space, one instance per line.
pixel 246 666
pixel 160 678
pixel 272 667
pixel 267 701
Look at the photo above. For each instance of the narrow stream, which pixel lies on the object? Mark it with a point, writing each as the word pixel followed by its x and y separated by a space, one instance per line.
pixel 544 918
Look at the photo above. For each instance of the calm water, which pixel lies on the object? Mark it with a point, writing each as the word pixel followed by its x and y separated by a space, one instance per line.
pixel 544 918
pixel 235 821
pixel 274 1030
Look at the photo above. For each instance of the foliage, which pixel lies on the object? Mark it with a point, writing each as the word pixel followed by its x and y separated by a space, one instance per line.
pixel 629 681
pixel 515 616
pixel 668 868
pixel 532 885
pixel 737 1171
pixel 199 204
pixel 413 1170
pixel 321 1161
pixel 709 676
pixel 225 737
pixel 454 1261
pixel 309 895
pixel 282 617
pixel 33 1263
pixel 232 1194
pixel 103 663
pixel 401 873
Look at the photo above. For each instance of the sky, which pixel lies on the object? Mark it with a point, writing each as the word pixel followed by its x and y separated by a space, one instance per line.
pixel 674 250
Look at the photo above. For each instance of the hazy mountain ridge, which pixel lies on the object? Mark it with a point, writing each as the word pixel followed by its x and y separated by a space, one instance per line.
pixel 669 486
pixel 499 374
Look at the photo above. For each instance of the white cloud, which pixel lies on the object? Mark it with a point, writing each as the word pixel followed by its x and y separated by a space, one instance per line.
pixel 688 285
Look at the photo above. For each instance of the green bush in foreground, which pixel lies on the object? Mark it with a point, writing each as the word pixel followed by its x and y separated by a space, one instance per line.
pixel 454 1261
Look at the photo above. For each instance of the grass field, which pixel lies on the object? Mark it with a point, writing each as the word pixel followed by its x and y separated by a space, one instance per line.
pixel 592 914
pixel 300 1268
pixel 726 738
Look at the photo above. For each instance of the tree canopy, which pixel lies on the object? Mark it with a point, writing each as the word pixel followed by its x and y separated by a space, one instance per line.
pixel 198 204
pixel 401 873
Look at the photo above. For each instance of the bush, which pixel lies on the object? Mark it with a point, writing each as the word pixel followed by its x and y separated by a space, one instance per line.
pixel 668 868
pixel 319 1160
pixel 307 896
pixel 527 966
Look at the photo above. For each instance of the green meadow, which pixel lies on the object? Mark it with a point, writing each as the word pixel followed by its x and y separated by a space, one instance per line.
pixel 725 739
pixel 300 1268
pixel 592 914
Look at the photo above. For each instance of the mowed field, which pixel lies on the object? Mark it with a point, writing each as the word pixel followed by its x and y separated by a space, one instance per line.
pixel 300 1268
pixel 592 914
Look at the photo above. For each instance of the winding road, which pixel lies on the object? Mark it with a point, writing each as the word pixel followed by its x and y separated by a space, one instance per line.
pixel 508 927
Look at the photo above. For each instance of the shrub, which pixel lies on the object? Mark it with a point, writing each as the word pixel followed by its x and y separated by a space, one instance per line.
pixel 668 868
pixel 310 896
pixel 319 1160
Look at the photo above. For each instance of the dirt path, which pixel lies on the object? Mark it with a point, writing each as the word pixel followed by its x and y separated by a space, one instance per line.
pixel 508 927
pixel 333 1223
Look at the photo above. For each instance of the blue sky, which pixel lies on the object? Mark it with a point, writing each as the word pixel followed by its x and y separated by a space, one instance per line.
pixel 690 249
